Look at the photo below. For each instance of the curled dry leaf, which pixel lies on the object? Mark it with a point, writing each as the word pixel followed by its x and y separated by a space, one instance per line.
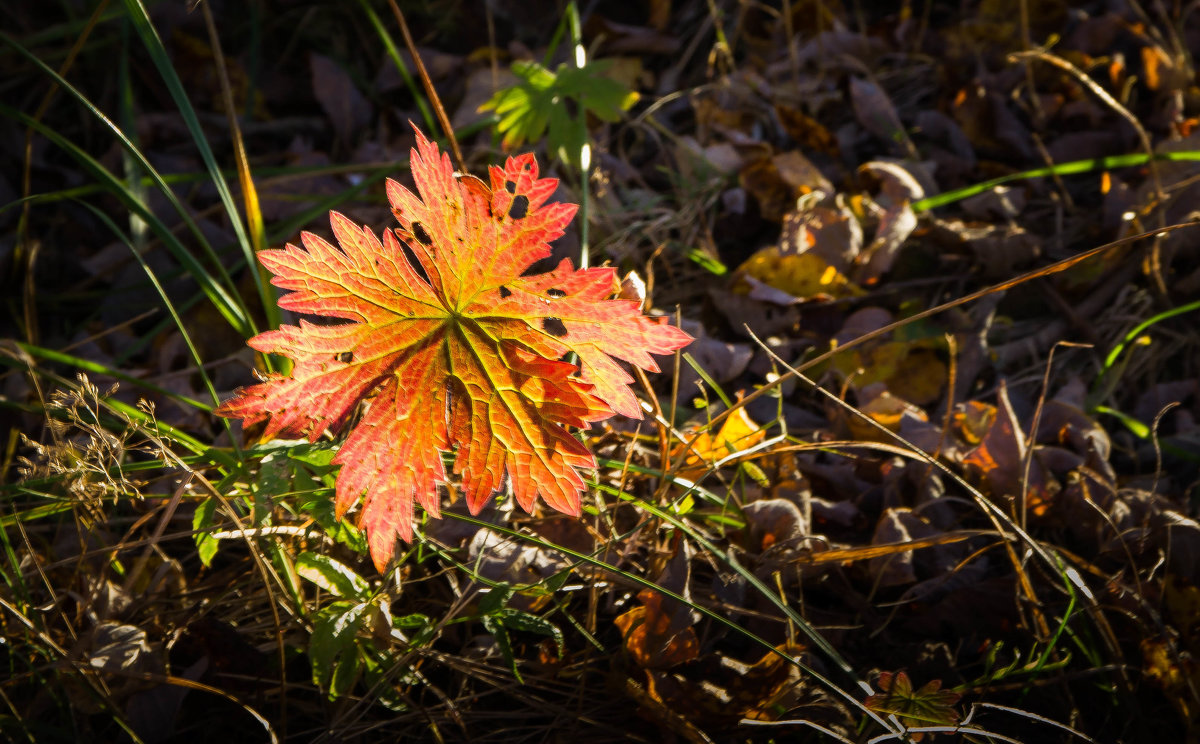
pixel 774 522
pixel 885 409
pixel 459 351
pixel 899 188
pixel 654 636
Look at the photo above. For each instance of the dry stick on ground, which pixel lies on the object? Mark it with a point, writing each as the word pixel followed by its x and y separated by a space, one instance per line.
pixel 429 89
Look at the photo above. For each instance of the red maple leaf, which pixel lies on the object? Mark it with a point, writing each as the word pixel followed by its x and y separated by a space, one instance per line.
pixel 460 352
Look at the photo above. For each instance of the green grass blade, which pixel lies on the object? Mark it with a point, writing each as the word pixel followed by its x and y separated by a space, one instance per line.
pixel 229 307
pixel 1140 430
pixel 1061 169
pixel 52 507
pixel 158 54
pixel 84 365
pixel 394 53
pixel 1130 337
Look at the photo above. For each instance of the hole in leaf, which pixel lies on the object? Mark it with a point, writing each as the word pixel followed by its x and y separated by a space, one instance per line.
pixel 411 259
pixel 510 187
pixel 554 292
pixel 505 292
pixel 519 207
pixel 572 359
pixel 418 231
pixel 554 327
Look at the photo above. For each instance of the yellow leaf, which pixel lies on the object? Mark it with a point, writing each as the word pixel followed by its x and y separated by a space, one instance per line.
pixel 803 275
pixel 737 433
pixel 910 369
pixel 887 410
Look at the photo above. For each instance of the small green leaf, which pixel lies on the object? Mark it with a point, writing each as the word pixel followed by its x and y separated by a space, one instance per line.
pixel 317 456
pixel 520 620
pixel 334 642
pixel 756 474
pixel 202 522
pixel 537 105
pixel 495 600
pixel 930 705
pixel 345 673
pixel 496 628
pixel 333 576
pixel 708 263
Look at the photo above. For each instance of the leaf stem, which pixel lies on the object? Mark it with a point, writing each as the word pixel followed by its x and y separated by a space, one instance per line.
pixel 585 147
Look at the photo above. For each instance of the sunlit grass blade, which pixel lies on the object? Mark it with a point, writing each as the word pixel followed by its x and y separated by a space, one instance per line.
pixel 1074 167
pixel 85 365
pixel 1132 336
pixel 50 506
pixel 1140 430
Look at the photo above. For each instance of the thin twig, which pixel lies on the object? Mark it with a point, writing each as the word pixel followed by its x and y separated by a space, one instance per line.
pixel 429 89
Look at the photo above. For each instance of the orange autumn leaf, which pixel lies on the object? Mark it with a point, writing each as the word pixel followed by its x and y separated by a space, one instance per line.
pixel 653 636
pixel 998 463
pixel 458 352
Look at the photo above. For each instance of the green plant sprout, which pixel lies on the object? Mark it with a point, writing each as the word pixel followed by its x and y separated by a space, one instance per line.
pixel 554 104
